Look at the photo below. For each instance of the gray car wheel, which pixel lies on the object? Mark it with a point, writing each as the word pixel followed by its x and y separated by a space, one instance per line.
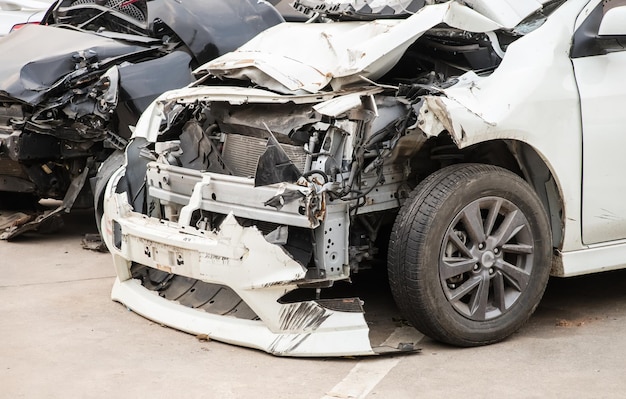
pixel 469 255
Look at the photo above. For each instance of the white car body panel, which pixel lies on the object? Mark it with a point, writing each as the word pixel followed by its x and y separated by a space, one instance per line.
pixel 331 339
pixel 602 90
pixel 293 58
pixel 306 57
pixel 243 260
pixel 507 13
pixel 13 12
pixel 502 103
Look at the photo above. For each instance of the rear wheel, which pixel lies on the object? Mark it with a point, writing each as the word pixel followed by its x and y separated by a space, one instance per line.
pixel 470 254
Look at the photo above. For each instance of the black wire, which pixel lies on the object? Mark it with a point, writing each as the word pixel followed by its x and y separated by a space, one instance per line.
pixel 362 195
pixel 317 172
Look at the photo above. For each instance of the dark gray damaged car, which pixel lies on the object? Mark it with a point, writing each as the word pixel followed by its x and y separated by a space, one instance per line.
pixel 73 87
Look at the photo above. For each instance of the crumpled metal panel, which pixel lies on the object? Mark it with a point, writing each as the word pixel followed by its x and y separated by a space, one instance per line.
pixel 28 74
pixel 255 271
pixel 307 329
pixel 264 274
pixel 149 123
pixel 307 57
pixel 361 9
pixel 508 13
pixel 297 58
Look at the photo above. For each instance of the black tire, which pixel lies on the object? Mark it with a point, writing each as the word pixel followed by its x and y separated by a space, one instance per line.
pixel 466 230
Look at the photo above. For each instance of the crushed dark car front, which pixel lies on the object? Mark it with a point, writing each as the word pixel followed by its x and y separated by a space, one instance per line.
pixel 75 86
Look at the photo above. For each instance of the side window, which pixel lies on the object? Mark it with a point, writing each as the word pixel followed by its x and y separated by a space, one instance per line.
pixel 604 30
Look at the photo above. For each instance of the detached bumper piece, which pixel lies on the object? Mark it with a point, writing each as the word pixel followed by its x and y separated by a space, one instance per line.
pixel 308 329
pixel 227 284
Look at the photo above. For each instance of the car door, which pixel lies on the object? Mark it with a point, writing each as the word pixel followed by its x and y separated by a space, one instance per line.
pixel 599 60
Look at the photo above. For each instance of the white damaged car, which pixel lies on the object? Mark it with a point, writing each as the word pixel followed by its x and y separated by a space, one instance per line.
pixel 452 137
pixel 14 14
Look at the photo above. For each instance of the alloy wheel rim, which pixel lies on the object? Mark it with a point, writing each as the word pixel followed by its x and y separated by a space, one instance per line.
pixel 486 258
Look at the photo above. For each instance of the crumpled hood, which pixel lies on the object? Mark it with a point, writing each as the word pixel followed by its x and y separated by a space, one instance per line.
pixel 41 55
pixel 507 13
pixel 294 58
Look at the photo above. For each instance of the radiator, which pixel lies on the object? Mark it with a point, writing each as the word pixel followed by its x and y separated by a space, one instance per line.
pixel 242 153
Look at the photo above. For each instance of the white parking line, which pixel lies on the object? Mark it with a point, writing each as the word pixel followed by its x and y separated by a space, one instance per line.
pixel 364 377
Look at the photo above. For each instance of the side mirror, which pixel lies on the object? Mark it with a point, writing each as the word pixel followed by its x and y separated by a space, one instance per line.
pixel 614 22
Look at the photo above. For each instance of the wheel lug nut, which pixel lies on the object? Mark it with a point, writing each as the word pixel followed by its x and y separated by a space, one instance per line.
pixel 491 271
pixel 496 251
pixel 481 246
pixel 476 267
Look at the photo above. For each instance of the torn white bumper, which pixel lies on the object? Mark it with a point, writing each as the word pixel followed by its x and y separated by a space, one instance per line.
pixel 340 334
pixel 239 258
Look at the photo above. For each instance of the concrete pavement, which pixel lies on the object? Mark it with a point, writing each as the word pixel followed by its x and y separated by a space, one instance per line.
pixel 62 337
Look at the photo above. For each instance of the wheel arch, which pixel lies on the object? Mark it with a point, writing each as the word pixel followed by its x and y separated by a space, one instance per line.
pixel 514 155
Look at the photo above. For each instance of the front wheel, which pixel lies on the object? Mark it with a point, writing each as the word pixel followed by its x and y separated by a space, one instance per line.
pixel 469 256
